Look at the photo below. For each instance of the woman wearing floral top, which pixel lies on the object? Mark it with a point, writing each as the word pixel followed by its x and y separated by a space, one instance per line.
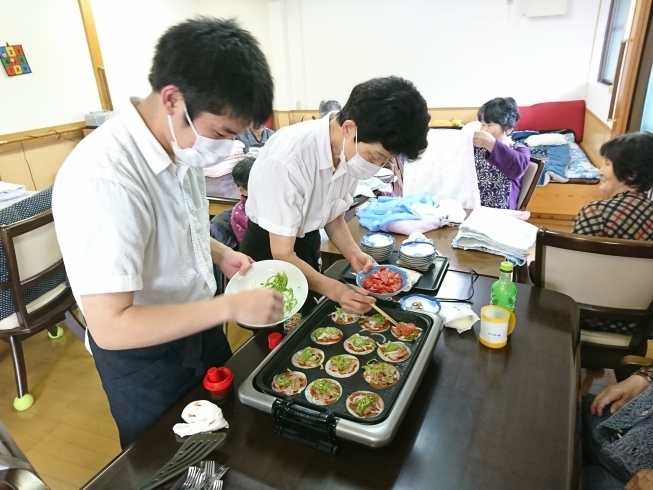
pixel 500 162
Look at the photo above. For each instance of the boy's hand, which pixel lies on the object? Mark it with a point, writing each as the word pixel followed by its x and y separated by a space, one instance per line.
pixel 233 262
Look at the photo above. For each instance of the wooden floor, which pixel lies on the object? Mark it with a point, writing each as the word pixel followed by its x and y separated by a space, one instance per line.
pixel 68 434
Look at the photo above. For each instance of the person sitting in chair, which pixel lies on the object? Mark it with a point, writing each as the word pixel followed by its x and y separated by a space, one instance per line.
pixel 616 435
pixel 626 176
pixel 500 162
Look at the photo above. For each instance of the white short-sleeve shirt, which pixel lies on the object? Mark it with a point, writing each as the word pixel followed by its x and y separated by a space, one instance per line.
pixel 130 219
pixel 293 186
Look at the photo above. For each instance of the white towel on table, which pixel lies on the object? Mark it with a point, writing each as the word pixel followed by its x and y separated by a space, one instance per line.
pixel 446 168
pixel 496 232
pixel 200 416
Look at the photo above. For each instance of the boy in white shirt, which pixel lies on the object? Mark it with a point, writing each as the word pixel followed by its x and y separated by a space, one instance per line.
pixel 132 221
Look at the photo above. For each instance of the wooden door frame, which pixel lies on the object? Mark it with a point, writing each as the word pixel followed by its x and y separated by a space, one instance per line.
pixel 630 68
pixel 96 54
pixel 642 78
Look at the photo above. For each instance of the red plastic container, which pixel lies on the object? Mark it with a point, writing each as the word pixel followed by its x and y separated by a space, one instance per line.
pixel 219 382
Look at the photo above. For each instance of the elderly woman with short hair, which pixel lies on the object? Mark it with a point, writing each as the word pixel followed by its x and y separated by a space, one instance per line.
pixel 500 162
pixel 327 106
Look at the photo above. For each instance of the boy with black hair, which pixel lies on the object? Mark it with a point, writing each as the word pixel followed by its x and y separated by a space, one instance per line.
pixel 305 178
pixel 131 218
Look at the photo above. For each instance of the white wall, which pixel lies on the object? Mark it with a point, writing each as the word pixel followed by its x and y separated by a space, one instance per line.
pixel 61 87
pixel 129 29
pixel 459 53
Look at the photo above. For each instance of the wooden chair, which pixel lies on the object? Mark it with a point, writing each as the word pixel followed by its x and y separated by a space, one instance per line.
pixel 529 182
pixel 610 279
pixel 33 260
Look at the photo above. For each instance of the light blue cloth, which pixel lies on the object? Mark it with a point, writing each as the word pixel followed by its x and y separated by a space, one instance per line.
pixel 384 210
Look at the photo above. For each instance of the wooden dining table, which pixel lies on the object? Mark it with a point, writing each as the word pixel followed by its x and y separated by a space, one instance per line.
pixel 459 260
pixel 480 419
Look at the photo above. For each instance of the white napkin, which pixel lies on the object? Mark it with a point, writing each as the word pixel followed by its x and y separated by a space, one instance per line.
pixel 200 416
pixel 458 316
pixel 416 236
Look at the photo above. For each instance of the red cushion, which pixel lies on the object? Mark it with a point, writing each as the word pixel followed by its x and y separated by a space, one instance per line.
pixel 549 116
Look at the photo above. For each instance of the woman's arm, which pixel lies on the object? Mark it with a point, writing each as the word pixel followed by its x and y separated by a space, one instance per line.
pixel 511 162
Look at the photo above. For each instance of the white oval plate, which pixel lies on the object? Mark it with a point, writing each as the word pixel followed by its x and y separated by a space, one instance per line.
pixel 259 273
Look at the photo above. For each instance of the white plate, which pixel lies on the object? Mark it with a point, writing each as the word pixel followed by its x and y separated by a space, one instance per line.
pixel 377 240
pixel 417 249
pixel 258 275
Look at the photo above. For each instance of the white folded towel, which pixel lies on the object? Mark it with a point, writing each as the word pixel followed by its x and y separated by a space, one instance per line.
pixel 496 232
pixel 200 416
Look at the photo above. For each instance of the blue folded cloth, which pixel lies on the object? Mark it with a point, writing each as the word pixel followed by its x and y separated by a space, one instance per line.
pixel 384 210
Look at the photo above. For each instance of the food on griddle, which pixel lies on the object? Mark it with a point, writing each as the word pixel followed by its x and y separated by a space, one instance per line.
pixel 323 391
pixel 289 383
pixel 308 358
pixel 364 404
pixel 359 345
pixel 341 317
pixel 342 366
pixel 375 323
pixel 380 375
pixel 326 335
pixel 406 331
pixel 393 351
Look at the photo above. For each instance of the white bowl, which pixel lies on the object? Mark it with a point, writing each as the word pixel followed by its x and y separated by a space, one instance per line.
pixel 259 273
pixel 417 249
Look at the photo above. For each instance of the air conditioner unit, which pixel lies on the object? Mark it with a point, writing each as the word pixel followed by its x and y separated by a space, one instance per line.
pixel 545 8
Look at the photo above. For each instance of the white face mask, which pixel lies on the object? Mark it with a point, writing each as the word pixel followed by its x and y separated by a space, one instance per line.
pixel 357 167
pixel 205 152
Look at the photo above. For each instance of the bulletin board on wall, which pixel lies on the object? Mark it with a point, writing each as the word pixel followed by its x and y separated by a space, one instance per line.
pixel 57 85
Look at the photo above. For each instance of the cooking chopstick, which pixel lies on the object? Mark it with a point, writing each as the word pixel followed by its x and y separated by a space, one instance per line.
pixel 392 320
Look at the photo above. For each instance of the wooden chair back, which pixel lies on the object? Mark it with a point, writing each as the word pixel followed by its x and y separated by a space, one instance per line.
pixel 529 182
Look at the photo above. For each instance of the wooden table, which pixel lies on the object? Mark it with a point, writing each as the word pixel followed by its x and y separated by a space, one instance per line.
pixel 481 419
pixel 459 260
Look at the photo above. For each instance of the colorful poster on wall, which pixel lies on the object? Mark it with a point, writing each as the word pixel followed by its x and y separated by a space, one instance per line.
pixel 13 60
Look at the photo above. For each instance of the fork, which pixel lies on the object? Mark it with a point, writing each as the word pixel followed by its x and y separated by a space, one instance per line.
pixel 193 478
pixel 216 481
pixel 209 468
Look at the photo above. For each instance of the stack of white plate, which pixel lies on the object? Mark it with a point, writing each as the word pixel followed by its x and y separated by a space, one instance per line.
pixel 379 246
pixel 416 255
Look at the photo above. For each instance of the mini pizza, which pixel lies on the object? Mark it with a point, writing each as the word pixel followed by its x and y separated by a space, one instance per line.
pixel 380 375
pixel 341 317
pixel 323 391
pixel 326 335
pixel 342 366
pixel 393 351
pixel 406 331
pixel 364 404
pixel 308 358
pixel 375 323
pixel 359 345
pixel 289 383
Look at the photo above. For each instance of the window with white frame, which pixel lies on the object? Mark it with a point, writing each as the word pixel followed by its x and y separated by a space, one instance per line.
pixel 613 36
